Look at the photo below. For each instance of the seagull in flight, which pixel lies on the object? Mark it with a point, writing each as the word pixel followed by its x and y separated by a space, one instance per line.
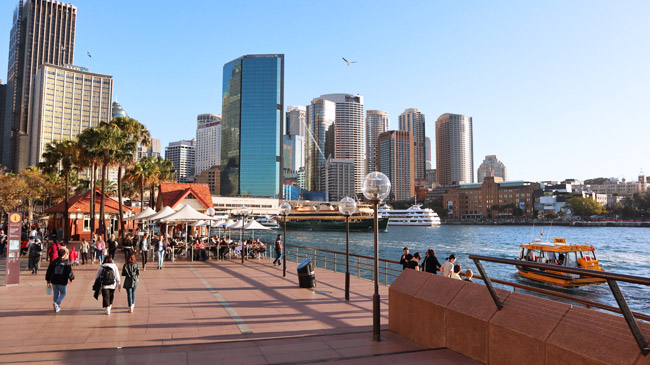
pixel 348 62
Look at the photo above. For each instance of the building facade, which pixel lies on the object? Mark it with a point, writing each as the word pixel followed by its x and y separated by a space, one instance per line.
pixel 153 150
pixel 208 142
pixel 293 155
pixel 210 177
pixel 491 166
pixel 43 31
pixel 376 124
pixel 296 120
pixel 427 155
pixel 251 126
pixel 623 187
pixel 412 120
pixel 66 100
pixel 182 155
pixel 454 150
pixel 396 160
pixel 118 111
pixel 337 178
pixel 320 142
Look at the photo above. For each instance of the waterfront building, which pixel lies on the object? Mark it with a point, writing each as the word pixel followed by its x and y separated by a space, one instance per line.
pixel 43 32
pixel 492 198
pixel 182 155
pixel 349 132
pixel 412 120
pixel 293 155
pixel 296 120
pixel 427 155
pixel 251 126
pixel 153 150
pixel 622 188
pixel 376 124
pixel 118 111
pixel 65 101
pixel 491 166
pixel 454 149
pixel 257 206
pixel 178 195
pixel 337 178
pixel 208 142
pixel 319 145
pixel 396 159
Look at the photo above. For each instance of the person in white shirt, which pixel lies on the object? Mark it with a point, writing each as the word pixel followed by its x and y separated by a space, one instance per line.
pixel 448 267
pixel 456 273
pixel 108 282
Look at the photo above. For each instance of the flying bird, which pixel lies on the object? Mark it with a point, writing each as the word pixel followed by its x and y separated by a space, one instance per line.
pixel 348 62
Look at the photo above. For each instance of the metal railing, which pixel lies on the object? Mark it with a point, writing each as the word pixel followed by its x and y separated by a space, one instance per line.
pixel 611 278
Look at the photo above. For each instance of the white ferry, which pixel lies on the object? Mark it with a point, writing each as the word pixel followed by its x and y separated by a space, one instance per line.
pixel 413 216
pixel 267 221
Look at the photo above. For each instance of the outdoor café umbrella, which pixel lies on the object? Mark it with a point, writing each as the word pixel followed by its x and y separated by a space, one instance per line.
pixel 186 214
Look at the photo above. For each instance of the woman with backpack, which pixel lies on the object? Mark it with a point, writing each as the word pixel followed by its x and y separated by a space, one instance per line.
pixel 131 273
pixel 109 279
pixel 57 276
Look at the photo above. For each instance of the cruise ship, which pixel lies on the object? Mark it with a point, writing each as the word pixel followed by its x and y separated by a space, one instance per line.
pixel 413 216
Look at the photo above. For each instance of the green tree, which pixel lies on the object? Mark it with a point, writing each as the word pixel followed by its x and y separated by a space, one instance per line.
pixel 89 141
pixel 11 187
pixel 34 189
pixel 584 207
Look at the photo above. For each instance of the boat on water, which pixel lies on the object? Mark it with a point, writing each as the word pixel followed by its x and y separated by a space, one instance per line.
pixel 267 221
pixel 326 217
pixel 559 253
pixel 413 216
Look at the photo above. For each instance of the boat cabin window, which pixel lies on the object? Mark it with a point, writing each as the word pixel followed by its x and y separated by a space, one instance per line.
pixel 531 255
pixel 550 257
pixel 588 255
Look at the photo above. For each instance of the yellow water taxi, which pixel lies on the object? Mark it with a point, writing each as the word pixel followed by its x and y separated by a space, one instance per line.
pixel 559 253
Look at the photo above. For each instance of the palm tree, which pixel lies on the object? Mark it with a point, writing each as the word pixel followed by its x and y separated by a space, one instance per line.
pixel 139 173
pixel 61 157
pixel 89 140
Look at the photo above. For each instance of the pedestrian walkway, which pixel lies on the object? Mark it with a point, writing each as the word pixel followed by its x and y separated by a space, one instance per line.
pixel 214 311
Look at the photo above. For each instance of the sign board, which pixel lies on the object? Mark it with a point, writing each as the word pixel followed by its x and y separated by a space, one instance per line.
pixel 13 248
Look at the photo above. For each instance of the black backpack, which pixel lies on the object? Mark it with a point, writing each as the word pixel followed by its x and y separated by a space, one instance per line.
pixel 107 276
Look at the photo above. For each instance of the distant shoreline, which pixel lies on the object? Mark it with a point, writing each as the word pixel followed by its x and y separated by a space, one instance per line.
pixel 529 222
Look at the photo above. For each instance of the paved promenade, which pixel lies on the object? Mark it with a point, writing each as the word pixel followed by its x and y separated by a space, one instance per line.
pixel 204 312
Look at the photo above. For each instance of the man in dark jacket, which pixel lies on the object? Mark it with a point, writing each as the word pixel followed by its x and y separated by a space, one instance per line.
pixel 57 276
pixel 431 263
pixel 406 257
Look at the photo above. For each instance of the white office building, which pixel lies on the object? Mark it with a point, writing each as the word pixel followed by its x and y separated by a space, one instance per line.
pixel 208 142
pixel 182 155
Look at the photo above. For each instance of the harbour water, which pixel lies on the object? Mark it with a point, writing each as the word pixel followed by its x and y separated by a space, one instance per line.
pixel 620 250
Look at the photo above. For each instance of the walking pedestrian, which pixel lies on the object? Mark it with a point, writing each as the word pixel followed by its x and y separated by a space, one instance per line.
pixel 431 263
pixel 100 246
pixel 84 247
pixel 131 273
pixel 109 278
pixel 112 246
pixel 144 250
pixel 53 250
pixel 448 267
pixel 127 246
pixel 57 276
pixel 161 246
pixel 278 250
pixel 35 252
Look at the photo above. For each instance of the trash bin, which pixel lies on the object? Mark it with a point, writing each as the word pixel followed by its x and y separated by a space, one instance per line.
pixel 306 277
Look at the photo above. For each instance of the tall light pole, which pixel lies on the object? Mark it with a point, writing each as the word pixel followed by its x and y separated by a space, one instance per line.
pixel 376 188
pixel 347 207
pixel 243 212
pixel 284 209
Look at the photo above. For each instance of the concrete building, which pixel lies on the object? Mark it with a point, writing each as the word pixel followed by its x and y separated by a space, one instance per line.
pixel 153 150
pixel 182 155
pixel 427 155
pixel 296 120
pixel 623 187
pixel 320 142
pixel 337 178
pixel 431 178
pixel 43 32
pixel 251 126
pixel 376 124
pixel 396 160
pixel 491 166
pixel 66 100
pixel 454 150
pixel 208 142
pixel 293 155
pixel 349 132
pixel 212 178
pixel 412 120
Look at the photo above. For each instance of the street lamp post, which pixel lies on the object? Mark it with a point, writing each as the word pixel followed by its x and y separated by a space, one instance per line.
pixel 376 188
pixel 285 209
pixel 210 212
pixel 243 212
pixel 347 207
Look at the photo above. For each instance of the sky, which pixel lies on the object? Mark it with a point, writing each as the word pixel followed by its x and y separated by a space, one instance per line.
pixel 556 89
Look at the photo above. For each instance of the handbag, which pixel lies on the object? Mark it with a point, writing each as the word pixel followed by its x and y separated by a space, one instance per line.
pixel 48 290
pixel 128 282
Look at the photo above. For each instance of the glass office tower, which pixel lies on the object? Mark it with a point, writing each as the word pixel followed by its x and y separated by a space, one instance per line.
pixel 251 126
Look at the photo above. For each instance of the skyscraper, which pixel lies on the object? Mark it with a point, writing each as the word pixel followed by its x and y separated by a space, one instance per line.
pixel 413 121
pixel 454 149
pixel 491 166
pixel 376 124
pixel 296 120
pixel 118 111
pixel 153 150
pixel 251 126
pixel 43 31
pixel 395 160
pixel 66 100
pixel 337 178
pixel 349 133
pixel 427 154
pixel 208 142
pixel 182 155
pixel 293 155
pixel 320 140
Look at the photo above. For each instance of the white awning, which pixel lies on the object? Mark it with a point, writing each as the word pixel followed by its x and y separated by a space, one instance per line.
pixel 145 214
pixel 186 214
pixel 164 212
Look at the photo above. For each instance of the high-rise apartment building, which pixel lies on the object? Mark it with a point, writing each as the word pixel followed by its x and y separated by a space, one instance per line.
pixel 66 100
pixel 251 126
pixel 293 155
pixel 208 142
pixel 182 155
pixel 427 155
pixel 43 31
pixel 337 178
pixel 412 120
pixel 491 166
pixel 395 160
pixel 296 120
pixel 320 140
pixel 376 124
pixel 454 150
pixel 153 150
pixel 349 133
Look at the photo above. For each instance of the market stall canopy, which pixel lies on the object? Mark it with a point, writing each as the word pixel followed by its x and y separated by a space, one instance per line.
pixel 164 212
pixel 186 214
pixel 145 214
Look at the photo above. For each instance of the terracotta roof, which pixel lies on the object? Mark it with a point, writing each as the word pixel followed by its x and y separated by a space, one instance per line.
pixel 80 203
pixel 170 194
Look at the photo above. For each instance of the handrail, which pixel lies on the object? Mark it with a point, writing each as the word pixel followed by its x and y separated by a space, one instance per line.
pixel 343 253
pixel 611 278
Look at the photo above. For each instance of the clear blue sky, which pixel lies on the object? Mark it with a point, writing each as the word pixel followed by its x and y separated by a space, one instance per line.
pixel 556 89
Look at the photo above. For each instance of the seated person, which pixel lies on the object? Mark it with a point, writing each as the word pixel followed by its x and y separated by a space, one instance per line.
pixel 199 250
pixel 560 260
